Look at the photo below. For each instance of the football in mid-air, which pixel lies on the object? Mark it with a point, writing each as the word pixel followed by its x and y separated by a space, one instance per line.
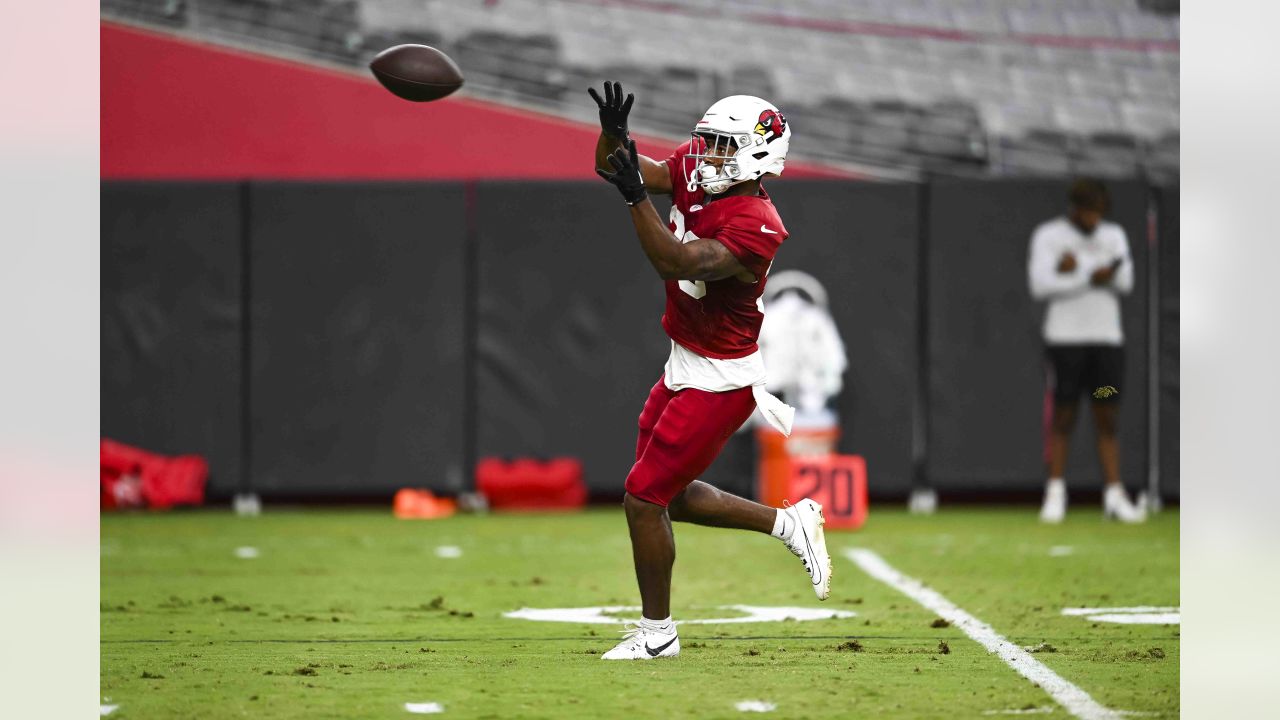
pixel 416 72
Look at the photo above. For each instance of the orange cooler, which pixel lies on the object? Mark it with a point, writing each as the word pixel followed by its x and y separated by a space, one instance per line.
pixel 806 465
pixel 776 452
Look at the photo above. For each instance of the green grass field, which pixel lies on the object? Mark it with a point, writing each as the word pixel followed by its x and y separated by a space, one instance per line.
pixel 351 614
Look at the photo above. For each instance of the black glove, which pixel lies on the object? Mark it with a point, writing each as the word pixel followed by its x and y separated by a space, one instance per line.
pixel 613 110
pixel 626 175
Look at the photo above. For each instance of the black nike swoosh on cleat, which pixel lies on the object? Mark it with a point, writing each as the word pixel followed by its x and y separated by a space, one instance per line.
pixel 655 652
pixel 813 557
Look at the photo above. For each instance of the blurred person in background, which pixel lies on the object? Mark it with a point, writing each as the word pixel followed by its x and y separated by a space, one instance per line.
pixel 1080 264
pixel 802 348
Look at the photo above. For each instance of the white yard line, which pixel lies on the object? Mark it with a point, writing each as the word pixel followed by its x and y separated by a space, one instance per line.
pixel 1138 609
pixel 1071 698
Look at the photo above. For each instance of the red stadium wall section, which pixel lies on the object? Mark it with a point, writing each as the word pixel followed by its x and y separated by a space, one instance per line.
pixel 178 109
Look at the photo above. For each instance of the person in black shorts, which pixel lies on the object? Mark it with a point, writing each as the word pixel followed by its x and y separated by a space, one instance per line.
pixel 1080 264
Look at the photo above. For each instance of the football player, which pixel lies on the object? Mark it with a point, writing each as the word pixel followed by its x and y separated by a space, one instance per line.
pixel 713 253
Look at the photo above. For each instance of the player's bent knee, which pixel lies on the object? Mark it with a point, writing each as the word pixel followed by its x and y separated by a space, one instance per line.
pixel 644 492
pixel 652 483
pixel 639 506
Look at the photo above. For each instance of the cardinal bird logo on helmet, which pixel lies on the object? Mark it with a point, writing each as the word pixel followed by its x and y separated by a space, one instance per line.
pixel 771 124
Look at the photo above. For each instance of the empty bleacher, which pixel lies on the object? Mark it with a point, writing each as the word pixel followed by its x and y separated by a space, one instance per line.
pixel 1004 87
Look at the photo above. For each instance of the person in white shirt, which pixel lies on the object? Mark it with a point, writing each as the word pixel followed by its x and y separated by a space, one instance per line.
pixel 1080 264
pixel 802 347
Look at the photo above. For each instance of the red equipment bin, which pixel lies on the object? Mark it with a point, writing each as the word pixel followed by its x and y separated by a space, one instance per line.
pixel 132 477
pixel 531 484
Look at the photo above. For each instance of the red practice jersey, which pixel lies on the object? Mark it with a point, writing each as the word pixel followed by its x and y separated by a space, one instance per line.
pixel 721 318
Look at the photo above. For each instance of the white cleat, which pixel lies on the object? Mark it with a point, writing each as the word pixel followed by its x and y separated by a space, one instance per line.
pixel 1054 508
pixel 809 543
pixel 1116 506
pixel 639 643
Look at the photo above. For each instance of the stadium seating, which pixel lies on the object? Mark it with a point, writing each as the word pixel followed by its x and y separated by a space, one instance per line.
pixel 1098 77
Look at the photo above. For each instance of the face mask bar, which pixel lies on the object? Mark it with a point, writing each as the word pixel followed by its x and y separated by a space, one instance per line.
pixel 707 146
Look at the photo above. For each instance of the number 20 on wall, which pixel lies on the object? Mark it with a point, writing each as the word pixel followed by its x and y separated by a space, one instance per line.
pixel 837 482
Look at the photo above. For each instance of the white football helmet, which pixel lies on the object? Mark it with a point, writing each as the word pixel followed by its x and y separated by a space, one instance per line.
pixel 747 136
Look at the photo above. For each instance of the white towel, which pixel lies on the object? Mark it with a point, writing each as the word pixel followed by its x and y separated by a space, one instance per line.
pixel 777 413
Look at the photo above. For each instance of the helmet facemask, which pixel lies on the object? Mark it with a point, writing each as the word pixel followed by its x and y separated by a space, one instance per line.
pixel 712 161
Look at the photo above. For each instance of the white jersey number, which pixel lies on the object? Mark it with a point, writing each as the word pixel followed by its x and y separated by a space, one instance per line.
pixel 695 289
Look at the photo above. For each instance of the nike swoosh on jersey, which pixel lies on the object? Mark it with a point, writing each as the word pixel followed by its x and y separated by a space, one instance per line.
pixel 764 229
pixel 655 652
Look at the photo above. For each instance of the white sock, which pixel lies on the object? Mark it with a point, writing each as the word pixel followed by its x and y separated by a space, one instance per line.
pixel 1056 482
pixel 783 526
pixel 664 626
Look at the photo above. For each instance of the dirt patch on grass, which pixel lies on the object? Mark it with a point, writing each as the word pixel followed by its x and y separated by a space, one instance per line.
pixel 1043 647
pixel 944 648
pixel 939 623
pixel 310 671
pixel 437 604
pixel 151 676
pixel 850 646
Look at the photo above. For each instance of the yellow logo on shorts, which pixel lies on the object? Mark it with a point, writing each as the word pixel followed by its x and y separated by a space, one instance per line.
pixel 1105 391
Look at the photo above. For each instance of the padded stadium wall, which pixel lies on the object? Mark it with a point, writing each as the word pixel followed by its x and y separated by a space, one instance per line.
pixel 343 339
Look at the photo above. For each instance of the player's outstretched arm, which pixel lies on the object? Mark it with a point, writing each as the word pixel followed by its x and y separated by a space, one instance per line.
pixel 614 110
pixel 703 259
